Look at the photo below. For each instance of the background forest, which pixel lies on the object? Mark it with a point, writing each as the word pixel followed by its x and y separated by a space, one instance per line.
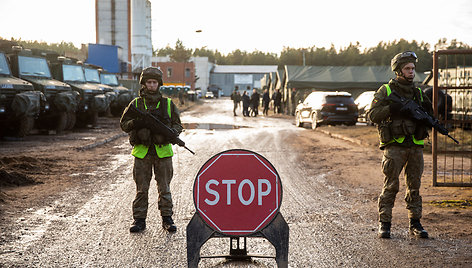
pixel 320 56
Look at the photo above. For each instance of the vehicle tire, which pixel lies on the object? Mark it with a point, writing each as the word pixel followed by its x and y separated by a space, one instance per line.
pixel 298 120
pixel 71 120
pixel 26 124
pixel 314 124
pixel 93 119
pixel 62 122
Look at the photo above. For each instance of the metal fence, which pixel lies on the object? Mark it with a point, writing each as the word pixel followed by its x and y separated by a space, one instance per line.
pixel 452 102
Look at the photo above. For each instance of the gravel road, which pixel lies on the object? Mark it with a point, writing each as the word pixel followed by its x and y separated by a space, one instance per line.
pixel 332 222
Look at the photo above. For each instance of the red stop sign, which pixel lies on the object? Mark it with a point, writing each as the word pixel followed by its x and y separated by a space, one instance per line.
pixel 237 192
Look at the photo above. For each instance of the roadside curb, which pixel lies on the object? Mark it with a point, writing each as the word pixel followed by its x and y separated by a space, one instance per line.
pixel 341 137
pixel 105 141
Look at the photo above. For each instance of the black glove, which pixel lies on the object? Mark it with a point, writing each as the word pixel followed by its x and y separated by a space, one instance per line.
pixel 139 123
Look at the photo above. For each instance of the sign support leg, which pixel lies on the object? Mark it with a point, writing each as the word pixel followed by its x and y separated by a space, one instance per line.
pixel 278 235
pixel 197 234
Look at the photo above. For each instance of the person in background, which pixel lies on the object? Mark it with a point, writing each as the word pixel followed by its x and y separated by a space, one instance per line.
pixel 265 102
pixel 246 101
pixel 255 99
pixel 236 98
pixel 277 97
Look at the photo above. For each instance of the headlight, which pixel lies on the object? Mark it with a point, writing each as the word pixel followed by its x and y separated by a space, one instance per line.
pixel 85 107
pixel 46 107
pixel 2 109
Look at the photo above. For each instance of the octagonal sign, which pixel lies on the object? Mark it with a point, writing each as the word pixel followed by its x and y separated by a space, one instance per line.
pixel 237 192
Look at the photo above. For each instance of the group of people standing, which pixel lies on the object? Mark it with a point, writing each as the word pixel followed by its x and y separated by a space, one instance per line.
pixel 251 103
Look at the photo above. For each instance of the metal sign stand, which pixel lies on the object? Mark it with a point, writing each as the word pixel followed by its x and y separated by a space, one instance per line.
pixel 198 233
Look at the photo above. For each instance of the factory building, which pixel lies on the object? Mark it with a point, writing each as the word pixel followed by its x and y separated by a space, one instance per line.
pixel 127 24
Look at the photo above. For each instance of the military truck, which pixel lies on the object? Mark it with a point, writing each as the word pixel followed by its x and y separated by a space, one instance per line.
pixel 124 95
pixel 31 65
pixel 19 104
pixel 92 98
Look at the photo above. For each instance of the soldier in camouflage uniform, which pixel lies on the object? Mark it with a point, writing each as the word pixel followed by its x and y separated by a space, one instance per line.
pixel 152 151
pixel 402 140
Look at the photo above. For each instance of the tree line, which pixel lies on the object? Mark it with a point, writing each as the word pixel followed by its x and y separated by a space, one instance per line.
pixel 320 56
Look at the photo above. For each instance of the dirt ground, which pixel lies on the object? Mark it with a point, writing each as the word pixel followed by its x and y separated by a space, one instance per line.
pixel 447 211
pixel 34 171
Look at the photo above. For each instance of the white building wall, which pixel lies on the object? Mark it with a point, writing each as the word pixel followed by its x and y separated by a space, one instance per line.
pixel 141 44
pixel 202 70
pixel 113 25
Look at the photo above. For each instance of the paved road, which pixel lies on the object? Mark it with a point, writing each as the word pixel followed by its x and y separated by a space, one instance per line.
pixel 326 228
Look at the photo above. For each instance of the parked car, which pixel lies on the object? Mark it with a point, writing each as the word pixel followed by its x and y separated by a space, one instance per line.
pixel 363 103
pixel 209 95
pixel 329 108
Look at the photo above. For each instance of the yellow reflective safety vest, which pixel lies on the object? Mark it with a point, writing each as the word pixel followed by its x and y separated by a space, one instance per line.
pixel 401 139
pixel 140 150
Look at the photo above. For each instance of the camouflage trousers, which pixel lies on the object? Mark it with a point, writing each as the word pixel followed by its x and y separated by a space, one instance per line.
pixel 394 159
pixel 142 174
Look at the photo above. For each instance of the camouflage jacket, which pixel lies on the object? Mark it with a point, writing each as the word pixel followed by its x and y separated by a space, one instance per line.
pixel 128 120
pixel 379 112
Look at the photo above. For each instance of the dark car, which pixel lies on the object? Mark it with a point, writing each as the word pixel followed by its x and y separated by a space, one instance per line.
pixel 330 108
pixel 363 103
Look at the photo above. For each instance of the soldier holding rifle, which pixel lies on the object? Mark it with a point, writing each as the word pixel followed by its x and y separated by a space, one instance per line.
pixel 152 151
pixel 402 139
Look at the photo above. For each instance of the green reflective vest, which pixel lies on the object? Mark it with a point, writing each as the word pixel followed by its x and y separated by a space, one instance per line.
pixel 401 139
pixel 140 150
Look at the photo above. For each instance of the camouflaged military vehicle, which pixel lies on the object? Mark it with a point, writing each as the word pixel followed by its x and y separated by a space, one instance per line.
pixel 19 104
pixel 61 101
pixel 92 98
pixel 92 75
pixel 124 95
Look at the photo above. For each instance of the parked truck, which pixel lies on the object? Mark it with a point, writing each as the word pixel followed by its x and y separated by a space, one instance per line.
pixel 124 95
pixel 92 75
pixel 92 98
pixel 19 104
pixel 60 101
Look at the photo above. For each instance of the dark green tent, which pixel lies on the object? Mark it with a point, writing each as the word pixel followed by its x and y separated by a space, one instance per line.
pixel 339 77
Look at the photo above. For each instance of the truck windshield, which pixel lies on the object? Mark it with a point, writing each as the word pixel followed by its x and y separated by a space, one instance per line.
pixel 109 79
pixel 91 75
pixel 4 65
pixel 73 73
pixel 33 66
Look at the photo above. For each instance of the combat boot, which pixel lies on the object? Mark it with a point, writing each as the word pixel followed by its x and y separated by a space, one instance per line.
pixel 138 226
pixel 384 229
pixel 168 224
pixel 416 229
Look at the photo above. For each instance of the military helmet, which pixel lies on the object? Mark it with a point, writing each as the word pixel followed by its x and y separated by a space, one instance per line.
pixel 401 58
pixel 151 73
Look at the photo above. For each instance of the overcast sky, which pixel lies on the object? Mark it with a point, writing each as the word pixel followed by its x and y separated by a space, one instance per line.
pixel 264 25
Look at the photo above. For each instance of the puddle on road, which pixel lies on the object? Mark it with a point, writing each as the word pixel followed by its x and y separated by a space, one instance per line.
pixel 211 126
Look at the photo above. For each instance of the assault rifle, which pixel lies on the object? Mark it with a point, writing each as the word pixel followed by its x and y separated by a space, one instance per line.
pixel 418 113
pixel 156 126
